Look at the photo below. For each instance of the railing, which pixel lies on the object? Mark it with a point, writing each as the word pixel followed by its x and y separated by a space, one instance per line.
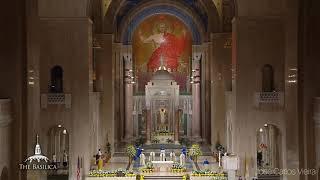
pixel 269 98
pixel 55 99
pixel 5 112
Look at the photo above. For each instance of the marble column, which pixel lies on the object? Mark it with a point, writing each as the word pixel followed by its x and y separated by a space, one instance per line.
pixel 5 120
pixel 316 118
pixel 148 128
pixel 128 97
pixel 196 125
pixel 176 126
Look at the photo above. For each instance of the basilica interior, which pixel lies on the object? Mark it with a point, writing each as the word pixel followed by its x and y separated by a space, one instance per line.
pixel 82 80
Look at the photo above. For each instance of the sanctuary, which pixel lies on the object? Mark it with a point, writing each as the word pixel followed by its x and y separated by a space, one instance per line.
pixel 159 89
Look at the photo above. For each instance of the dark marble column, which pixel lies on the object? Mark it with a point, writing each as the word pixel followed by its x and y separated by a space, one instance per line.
pixel 128 98
pixel 196 125
pixel 177 125
pixel 148 128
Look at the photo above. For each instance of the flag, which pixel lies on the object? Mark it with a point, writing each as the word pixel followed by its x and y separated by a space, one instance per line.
pixel 78 169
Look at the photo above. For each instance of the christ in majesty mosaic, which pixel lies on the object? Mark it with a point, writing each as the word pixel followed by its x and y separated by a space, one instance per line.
pixel 162 37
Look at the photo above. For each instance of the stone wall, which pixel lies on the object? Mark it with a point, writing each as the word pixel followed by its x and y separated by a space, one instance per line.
pixel 257 41
pixel 67 42
pixel 5 121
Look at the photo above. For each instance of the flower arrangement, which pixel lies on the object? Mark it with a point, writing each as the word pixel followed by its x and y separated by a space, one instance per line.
pixel 177 168
pixel 148 169
pixel 131 152
pixel 220 148
pixel 263 146
pixel 194 153
pixel 207 173
pixel 163 133
pixel 115 173
pixel 169 140
pixel 141 177
pixel 155 140
pixel 184 177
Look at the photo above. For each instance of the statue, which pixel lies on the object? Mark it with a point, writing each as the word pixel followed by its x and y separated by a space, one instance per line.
pixel 182 159
pixel 162 154
pixel 162 116
pixel 142 159
pixel 163 119
pixel 152 156
pixel 172 156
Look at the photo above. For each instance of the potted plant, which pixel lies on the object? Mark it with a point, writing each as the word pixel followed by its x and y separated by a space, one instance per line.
pixel 194 153
pixel 131 152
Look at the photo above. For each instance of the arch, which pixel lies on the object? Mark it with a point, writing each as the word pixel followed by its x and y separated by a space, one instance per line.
pixel 58 143
pixel 4 174
pixel 162 9
pixel 56 85
pixel 268 146
pixel 267 78
pixel 213 21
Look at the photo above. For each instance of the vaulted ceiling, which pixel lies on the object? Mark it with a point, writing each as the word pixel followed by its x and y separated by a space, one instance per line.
pixel 203 13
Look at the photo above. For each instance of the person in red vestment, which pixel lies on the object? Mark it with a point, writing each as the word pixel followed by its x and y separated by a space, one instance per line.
pixel 168 45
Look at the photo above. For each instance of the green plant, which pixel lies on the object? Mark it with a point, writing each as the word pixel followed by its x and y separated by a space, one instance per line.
pixel 194 153
pixel 177 166
pixel 120 173
pixel 131 152
pixel 149 165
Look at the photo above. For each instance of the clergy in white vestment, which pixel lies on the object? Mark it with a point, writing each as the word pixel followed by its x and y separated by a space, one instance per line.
pixel 142 159
pixel 182 159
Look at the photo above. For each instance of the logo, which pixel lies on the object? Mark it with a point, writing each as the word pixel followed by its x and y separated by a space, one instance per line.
pixel 37 161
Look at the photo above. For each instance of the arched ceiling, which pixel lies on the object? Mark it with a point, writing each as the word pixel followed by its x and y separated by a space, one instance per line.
pixel 195 5
pixel 128 26
pixel 201 15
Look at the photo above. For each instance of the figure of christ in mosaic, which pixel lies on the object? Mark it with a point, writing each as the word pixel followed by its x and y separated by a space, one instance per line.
pixel 162 36
pixel 168 45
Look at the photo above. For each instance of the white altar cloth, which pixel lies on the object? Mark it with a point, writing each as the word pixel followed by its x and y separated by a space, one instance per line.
pixel 162 166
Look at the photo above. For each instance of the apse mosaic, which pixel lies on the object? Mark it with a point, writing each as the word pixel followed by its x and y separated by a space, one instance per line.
pixel 162 40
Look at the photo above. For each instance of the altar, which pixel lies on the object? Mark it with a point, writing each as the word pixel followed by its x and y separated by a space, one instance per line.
pixel 162 166
pixel 162 104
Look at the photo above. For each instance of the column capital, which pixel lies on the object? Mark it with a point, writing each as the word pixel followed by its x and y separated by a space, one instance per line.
pixel 195 74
